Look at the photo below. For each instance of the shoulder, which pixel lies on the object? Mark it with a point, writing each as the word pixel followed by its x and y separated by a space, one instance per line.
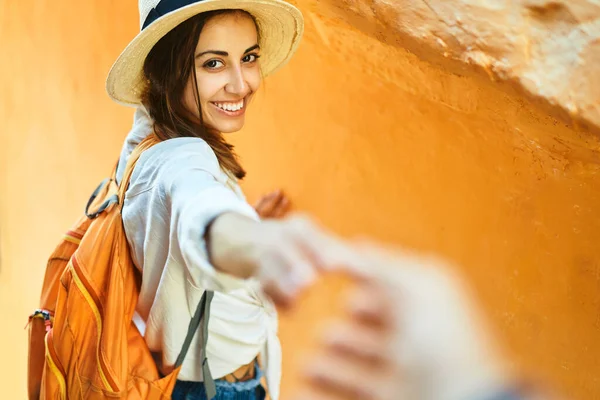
pixel 180 150
pixel 170 158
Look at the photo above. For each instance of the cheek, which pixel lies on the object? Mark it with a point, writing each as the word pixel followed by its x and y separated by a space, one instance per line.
pixel 207 88
pixel 254 79
pixel 188 98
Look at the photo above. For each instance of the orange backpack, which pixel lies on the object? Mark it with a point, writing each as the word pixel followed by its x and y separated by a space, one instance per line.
pixel 82 341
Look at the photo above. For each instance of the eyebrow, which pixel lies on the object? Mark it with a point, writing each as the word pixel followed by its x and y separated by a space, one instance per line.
pixel 224 53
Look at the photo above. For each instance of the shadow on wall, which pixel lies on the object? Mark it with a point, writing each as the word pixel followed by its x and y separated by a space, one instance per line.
pixel 364 135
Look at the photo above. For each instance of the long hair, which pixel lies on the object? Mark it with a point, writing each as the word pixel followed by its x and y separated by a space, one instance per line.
pixel 167 70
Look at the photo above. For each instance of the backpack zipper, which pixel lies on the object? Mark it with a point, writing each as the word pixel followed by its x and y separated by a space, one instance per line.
pixel 55 366
pixel 87 294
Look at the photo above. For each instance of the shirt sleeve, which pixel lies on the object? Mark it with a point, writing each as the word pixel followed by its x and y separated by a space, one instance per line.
pixel 194 197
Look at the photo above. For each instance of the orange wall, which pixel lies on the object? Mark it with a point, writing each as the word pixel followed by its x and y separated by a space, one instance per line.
pixel 366 137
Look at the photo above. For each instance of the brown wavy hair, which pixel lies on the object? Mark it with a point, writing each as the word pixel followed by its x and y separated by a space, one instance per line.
pixel 167 70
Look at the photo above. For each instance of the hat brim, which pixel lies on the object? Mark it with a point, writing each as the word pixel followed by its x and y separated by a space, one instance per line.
pixel 280 24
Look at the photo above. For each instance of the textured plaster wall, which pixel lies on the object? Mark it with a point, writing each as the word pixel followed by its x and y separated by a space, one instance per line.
pixel 546 49
pixel 360 132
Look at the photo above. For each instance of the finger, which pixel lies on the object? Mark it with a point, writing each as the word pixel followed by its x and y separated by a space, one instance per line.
pixel 260 204
pixel 266 203
pixel 370 344
pixel 349 379
pixel 372 304
pixel 387 266
pixel 273 274
pixel 280 297
pixel 285 273
pixel 363 266
pixel 271 203
pixel 326 250
pixel 282 207
pixel 302 269
pixel 311 393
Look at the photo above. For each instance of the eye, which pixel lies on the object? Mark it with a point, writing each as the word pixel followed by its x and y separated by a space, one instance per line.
pixel 250 58
pixel 213 64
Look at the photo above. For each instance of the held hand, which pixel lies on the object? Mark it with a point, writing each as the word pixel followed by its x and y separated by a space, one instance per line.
pixel 412 332
pixel 284 255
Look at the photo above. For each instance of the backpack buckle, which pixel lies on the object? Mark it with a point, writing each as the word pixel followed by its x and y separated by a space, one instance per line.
pixel 45 314
pixel 111 200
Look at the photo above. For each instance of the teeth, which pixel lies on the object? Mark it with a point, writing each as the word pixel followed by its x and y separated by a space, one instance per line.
pixel 231 106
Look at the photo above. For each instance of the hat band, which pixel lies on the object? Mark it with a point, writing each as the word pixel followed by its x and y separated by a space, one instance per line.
pixel 164 7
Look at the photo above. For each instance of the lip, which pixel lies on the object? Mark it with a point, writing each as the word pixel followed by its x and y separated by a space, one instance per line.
pixel 237 113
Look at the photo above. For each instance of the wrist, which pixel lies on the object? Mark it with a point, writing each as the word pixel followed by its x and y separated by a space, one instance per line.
pixel 517 390
pixel 229 242
pixel 473 381
pixel 508 393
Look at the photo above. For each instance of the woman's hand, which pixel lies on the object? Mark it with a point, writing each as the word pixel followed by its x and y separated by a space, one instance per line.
pixel 284 255
pixel 272 205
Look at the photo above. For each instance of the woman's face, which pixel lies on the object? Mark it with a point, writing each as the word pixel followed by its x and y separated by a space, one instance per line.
pixel 227 71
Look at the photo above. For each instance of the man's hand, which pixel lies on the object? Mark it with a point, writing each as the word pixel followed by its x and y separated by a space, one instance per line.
pixel 413 332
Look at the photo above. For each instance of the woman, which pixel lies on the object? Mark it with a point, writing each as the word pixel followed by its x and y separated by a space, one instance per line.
pixel 192 73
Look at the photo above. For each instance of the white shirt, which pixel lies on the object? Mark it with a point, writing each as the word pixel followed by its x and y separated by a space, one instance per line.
pixel 176 189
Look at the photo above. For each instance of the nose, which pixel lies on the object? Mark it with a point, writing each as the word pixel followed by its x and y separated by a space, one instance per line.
pixel 237 83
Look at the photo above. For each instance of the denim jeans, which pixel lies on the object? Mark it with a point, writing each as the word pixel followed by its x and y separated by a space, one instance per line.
pixel 247 390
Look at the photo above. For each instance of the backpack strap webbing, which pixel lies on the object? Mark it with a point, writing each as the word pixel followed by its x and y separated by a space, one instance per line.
pixel 144 145
pixel 200 320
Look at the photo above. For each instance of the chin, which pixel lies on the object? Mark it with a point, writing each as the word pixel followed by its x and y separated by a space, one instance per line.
pixel 232 130
pixel 229 128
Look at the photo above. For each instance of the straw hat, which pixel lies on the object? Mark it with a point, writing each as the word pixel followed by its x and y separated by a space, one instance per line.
pixel 280 24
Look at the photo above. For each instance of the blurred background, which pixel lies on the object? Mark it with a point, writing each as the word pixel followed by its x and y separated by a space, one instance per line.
pixel 371 138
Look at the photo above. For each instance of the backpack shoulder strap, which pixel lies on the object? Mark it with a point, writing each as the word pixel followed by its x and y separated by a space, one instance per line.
pixel 104 186
pixel 144 145
pixel 202 314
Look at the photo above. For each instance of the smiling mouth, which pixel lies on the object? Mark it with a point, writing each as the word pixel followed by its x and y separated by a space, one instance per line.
pixel 231 108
